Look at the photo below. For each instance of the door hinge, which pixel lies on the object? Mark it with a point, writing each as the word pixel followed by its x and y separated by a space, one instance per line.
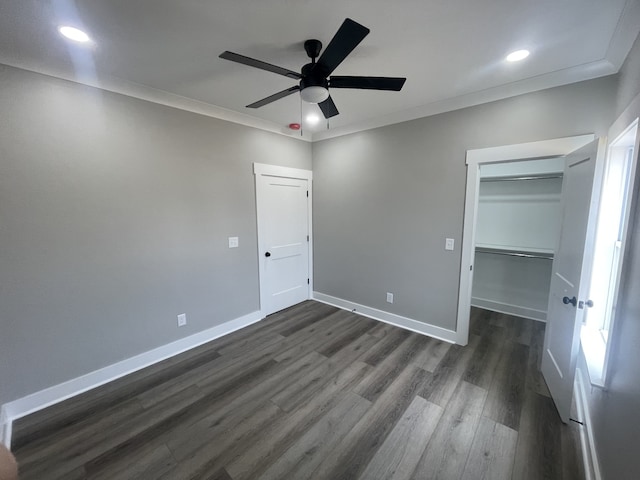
pixel 307 193
pixel 307 281
pixel 307 238
pixel 471 268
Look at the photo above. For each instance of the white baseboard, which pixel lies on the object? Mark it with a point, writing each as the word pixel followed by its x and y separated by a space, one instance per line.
pixel 518 311
pixel 391 318
pixel 587 441
pixel 16 409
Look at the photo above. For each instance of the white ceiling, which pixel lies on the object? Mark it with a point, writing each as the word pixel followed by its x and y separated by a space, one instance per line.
pixel 451 51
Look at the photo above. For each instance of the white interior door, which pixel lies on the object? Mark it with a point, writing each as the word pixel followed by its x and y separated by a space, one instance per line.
pixel 283 239
pixel 569 281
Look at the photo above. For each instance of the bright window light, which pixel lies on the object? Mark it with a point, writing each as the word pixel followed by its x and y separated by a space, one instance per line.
pixel 517 55
pixel 610 238
pixel 74 34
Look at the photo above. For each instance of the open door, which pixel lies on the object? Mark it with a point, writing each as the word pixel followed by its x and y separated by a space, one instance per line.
pixel 570 278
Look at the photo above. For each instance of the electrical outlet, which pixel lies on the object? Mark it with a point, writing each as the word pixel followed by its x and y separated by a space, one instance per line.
pixel 233 242
pixel 389 297
pixel 182 319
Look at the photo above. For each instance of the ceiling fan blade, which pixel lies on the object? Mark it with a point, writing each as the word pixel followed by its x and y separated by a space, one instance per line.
pixel 368 83
pixel 348 36
pixel 252 62
pixel 274 97
pixel 328 108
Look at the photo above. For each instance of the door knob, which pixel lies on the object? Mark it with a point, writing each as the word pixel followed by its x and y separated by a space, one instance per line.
pixel 573 301
pixel 588 303
pixel 268 254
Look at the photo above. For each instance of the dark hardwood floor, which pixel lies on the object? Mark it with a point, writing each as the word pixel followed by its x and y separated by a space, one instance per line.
pixel 314 392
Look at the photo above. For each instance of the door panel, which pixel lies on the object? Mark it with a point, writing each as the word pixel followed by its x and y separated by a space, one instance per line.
pixel 283 227
pixel 571 267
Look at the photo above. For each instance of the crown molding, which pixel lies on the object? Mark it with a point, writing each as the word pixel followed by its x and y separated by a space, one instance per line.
pixel 558 78
pixel 161 97
pixel 541 82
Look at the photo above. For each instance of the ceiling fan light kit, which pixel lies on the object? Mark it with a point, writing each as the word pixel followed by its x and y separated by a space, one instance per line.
pixel 315 78
pixel 314 94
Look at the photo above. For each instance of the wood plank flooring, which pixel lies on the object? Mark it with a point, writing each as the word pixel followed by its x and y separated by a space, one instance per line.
pixel 314 392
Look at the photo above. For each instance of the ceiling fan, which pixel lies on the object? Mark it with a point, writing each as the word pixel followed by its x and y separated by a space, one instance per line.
pixel 315 79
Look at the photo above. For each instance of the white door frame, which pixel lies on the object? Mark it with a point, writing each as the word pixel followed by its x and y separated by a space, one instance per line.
pixel 474 160
pixel 262 169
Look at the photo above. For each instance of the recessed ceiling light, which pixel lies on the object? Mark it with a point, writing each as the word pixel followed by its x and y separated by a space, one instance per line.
pixel 517 55
pixel 74 34
pixel 313 118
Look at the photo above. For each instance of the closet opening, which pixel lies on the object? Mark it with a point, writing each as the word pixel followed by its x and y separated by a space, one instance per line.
pixel 511 171
pixel 517 231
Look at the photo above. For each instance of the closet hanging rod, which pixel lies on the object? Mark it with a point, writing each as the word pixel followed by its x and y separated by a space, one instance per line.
pixel 520 177
pixel 512 253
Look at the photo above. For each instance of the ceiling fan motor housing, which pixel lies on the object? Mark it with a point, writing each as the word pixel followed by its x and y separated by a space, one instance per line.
pixel 309 79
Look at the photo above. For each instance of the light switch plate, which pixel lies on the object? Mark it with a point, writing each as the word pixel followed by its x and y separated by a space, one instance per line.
pixel 449 243
pixel 233 242
pixel 182 319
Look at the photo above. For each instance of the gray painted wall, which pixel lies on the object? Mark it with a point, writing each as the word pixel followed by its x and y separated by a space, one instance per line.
pixel 114 218
pixel 615 412
pixel 386 199
pixel 629 79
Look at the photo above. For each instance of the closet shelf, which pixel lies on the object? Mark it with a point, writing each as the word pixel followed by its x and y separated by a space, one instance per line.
pixel 513 178
pixel 522 252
